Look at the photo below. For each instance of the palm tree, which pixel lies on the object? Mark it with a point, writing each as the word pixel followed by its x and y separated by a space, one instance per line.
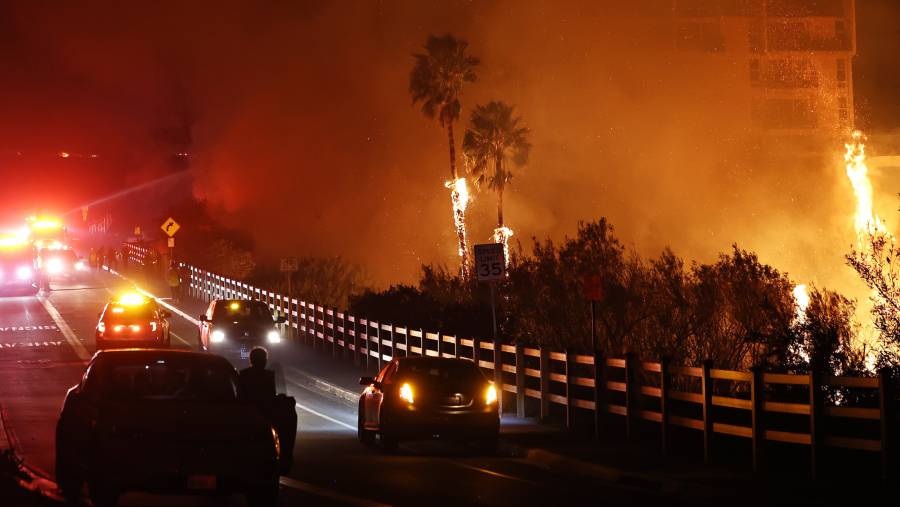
pixel 495 137
pixel 436 81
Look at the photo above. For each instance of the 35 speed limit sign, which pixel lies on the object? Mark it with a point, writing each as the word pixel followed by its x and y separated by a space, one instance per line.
pixel 490 263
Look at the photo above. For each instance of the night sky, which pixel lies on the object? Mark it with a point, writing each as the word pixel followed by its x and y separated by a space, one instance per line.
pixel 299 125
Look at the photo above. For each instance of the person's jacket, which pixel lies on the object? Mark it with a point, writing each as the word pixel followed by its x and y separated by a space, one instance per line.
pixel 257 385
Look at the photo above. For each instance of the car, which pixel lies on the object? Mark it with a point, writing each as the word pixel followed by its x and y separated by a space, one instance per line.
pixel 241 323
pixel 17 271
pixel 132 320
pixel 422 397
pixel 63 263
pixel 164 421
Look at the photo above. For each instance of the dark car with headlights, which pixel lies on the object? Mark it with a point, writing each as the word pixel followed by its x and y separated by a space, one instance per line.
pixel 241 323
pixel 17 271
pixel 132 321
pixel 164 421
pixel 416 398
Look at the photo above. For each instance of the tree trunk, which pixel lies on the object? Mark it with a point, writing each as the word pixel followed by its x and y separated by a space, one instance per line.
pixel 453 173
pixel 459 216
pixel 498 171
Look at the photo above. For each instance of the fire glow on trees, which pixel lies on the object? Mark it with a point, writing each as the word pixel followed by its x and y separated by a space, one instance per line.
pixel 801 299
pixel 502 235
pixel 459 195
pixel 866 221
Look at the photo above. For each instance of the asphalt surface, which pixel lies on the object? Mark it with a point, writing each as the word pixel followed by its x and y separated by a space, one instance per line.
pixel 46 340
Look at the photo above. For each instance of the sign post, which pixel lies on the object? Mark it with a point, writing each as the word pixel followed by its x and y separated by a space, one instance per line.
pixel 593 292
pixel 490 266
pixel 170 227
pixel 289 265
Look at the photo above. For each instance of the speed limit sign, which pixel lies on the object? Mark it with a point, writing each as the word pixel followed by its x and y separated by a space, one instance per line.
pixel 490 262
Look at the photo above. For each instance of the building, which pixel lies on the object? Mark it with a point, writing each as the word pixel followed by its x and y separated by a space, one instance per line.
pixel 798 54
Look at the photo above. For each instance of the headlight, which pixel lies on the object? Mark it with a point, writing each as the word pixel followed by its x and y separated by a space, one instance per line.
pixel 490 396
pixel 54 266
pixel 80 266
pixel 217 336
pixel 406 393
pixel 273 337
pixel 23 273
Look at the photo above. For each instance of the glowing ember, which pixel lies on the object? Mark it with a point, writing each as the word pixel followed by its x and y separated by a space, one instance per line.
pixel 801 299
pixel 459 196
pixel 865 220
pixel 502 235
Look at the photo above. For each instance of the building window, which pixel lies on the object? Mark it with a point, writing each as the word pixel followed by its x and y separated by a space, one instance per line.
pixel 754 71
pixel 700 37
pixel 785 114
pixel 840 30
pixel 843 110
pixel 841 71
pixel 791 73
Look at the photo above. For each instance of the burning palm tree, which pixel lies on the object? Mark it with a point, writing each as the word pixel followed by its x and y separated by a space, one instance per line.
pixel 436 81
pixel 495 138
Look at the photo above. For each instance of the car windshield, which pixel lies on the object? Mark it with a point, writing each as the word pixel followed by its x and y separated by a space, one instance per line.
pixel 242 311
pixel 166 378
pixel 440 370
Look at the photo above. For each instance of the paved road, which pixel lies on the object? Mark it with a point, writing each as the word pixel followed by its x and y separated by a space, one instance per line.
pixel 44 342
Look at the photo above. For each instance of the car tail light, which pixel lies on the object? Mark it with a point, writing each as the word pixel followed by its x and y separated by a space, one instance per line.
pixel 135 328
pixel 406 393
pixel 490 395
pixel 119 328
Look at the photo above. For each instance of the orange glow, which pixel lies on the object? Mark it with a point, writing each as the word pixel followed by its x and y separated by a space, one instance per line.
pixel 119 328
pixel 801 299
pixel 406 393
pixel 459 196
pixel 866 221
pixel 135 328
pixel 131 299
pixel 502 235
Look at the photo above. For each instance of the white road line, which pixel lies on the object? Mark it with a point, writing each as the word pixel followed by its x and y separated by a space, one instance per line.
pixel 493 473
pixel 77 346
pixel 182 340
pixel 327 493
pixel 326 417
pixel 171 307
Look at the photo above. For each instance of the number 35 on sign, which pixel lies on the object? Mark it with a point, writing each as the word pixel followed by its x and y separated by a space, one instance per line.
pixel 490 263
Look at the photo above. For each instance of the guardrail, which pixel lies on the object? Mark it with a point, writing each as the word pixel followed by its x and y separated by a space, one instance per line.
pixel 757 406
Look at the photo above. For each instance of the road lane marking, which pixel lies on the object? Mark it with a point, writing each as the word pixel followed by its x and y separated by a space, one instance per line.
pixel 326 417
pixel 329 494
pixel 28 328
pixel 171 307
pixel 77 346
pixel 182 340
pixel 493 473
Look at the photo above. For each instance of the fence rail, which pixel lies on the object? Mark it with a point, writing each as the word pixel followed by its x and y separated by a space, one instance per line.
pixel 757 406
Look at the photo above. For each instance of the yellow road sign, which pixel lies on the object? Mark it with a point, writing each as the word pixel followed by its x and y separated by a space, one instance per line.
pixel 170 227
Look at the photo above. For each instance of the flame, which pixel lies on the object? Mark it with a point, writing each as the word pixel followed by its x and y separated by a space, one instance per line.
pixel 502 235
pixel 459 196
pixel 865 219
pixel 801 299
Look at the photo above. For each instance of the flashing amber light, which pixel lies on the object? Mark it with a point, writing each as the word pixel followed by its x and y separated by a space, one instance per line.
pixel 43 224
pixel 235 306
pixel 131 299
pixel 118 309
pixel 490 395
pixel 406 393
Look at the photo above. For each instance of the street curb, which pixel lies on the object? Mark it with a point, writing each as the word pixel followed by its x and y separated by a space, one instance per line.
pixel 323 387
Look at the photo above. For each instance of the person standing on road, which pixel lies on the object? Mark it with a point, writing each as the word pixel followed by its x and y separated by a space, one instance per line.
pixel 256 384
pixel 173 278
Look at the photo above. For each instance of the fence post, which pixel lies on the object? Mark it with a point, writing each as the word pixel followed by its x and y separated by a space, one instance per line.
pixel 632 400
pixel 355 341
pixel 498 367
pixel 393 343
pixel 664 404
pixel 367 344
pixel 545 383
pixel 520 378
pixel 378 343
pixel 815 422
pixel 456 340
pixel 599 391
pixel 334 343
pixel 707 389
pixel 343 330
pixel 570 400
pixel 884 404
pixel 757 416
